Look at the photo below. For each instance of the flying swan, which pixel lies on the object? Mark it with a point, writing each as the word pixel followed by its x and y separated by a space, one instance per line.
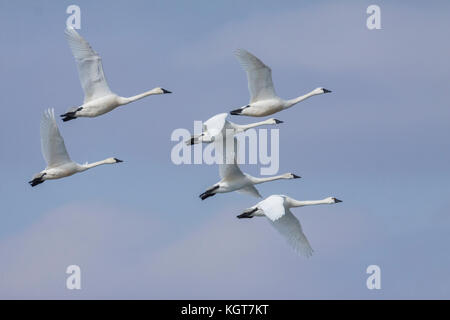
pixel 59 164
pixel 218 126
pixel 98 98
pixel 276 209
pixel 233 179
pixel 263 99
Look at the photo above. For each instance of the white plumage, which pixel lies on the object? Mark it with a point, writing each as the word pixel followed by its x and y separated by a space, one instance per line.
pixel 263 99
pixel 276 208
pixel 98 97
pixel 218 126
pixel 232 178
pixel 59 164
pixel 52 143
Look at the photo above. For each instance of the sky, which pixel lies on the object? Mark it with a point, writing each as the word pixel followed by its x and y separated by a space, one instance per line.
pixel 138 230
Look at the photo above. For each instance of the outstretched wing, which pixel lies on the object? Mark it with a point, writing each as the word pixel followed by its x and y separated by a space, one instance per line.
pixel 215 124
pixel 52 143
pixel 273 207
pixel 259 76
pixel 90 69
pixel 290 228
pixel 228 169
pixel 250 190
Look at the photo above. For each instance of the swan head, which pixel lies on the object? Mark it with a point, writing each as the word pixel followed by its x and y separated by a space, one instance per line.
pixel 113 160
pixel 321 91
pixel 332 200
pixel 291 176
pixel 274 121
pixel 161 91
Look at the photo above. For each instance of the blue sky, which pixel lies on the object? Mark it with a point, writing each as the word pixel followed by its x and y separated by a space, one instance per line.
pixel 138 230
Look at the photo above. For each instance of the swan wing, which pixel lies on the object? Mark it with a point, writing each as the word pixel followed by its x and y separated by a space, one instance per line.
pixel 229 168
pixel 230 171
pixel 290 228
pixel 52 143
pixel 273 207
pixel 215 124
pixel 89 64
pixel 250 190
pixel 259 76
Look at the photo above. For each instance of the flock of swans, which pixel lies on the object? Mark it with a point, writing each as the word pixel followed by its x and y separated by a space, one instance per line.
pixel 99 99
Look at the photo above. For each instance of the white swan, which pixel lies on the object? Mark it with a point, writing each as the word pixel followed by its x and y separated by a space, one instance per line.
pixel 263 99
pixel 59 164
pixel 233 179
pixel 276 209
pixel 218 126
pixel 98 98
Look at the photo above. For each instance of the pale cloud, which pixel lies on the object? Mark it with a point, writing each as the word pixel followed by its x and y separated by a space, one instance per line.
pixel 126 254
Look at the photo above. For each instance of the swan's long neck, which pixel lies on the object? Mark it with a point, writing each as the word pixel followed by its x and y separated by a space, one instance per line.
pixel 94 164
pixel 125 100
pixel 256 180
pixel 291 102
pixel 243 127
pixel 297 203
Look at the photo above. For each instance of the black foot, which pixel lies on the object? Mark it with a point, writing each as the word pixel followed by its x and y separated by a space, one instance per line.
pixel 190 142
pixel 209 193
pixel 236 112
pixel 36 181
pixel 206 195
pixel 70 115
pixel 67 118
pixel 247 214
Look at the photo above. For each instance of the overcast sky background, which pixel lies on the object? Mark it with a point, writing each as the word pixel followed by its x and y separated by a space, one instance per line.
pixel 380 142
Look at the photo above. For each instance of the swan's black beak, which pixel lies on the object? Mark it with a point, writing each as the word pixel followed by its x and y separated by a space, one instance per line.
pixel 278 121
pixel 165 91
pixel 326 90
pixel 337 200
pixel 117 160
pixel 295 176
pixel 236 112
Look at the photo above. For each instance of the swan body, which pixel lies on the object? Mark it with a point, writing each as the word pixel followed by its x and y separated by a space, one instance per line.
pixel 98 97
pixel 59 164
pixel 263 99
pixel 276 208
pixel 218 126
pixel 233 179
